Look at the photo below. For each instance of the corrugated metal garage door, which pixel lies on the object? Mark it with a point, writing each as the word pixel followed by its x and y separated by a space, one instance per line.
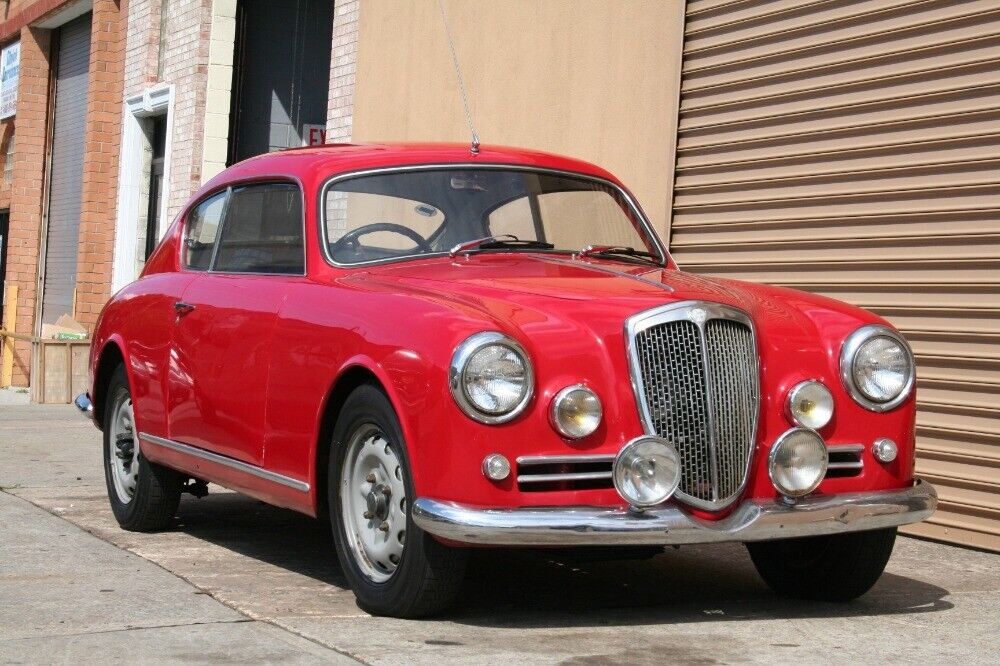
pixel 851 148
pixel 72 76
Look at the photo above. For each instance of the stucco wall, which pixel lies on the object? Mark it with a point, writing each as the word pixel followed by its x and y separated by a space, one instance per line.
pixel 592 79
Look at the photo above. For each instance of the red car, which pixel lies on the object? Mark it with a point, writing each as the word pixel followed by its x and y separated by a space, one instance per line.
pixel 436 349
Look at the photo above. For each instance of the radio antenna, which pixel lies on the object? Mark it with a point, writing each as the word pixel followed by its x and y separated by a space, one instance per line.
pixel 474 149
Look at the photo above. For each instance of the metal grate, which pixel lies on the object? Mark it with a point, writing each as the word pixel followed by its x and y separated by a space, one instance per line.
pixel 698 387
pixel 564 472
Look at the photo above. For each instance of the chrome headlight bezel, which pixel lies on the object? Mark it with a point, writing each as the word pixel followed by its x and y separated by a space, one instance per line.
pixel 459 362
pixel 559 400
pixel 791 399
pixel 848 353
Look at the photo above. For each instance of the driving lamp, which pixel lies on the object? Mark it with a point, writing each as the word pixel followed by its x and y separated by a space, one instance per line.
pixel 647 471
pixel 576 412
pixel 876 366
pixel 491 378
pixel 810 404
pixel 798 462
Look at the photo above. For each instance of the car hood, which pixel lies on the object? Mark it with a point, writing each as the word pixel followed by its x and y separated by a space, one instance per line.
pixel 537 293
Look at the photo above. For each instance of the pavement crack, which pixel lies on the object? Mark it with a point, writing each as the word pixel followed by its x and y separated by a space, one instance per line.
pixel 99 632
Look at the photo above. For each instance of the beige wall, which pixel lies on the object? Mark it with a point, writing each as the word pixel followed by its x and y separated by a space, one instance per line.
pixel 593 79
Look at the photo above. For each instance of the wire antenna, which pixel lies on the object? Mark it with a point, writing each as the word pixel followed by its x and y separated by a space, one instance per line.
pixel 474 149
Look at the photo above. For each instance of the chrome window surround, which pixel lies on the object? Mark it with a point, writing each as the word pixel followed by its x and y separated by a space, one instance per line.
pixel 685 310
pixel 647 227
pixel 554 409
pixel 227 190
pixel 460 358
pixel 790 400
pixel 850 349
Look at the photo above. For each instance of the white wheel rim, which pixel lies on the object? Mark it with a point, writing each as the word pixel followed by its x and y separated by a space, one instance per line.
pixel 124 452
pixel 373 503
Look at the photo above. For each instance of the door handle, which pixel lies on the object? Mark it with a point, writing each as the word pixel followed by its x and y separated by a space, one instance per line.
pixel 182 308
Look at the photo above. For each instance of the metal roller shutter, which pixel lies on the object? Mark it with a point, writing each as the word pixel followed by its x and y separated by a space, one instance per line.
pixel 66 179
pixel 852 148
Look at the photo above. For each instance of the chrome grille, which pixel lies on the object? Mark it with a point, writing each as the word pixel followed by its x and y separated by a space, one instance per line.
pixel 695 371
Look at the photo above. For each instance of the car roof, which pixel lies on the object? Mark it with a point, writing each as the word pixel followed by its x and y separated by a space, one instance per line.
pixel 316 163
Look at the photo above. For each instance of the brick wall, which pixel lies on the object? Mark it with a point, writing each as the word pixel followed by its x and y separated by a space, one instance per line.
pixel 100 177
pixel 343 65
pixel 27 187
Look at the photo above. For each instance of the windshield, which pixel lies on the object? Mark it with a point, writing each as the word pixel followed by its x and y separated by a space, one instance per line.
pixel 410 213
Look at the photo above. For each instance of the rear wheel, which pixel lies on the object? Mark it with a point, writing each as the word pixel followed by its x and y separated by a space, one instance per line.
pixel 837 567
pixel 143 495
pixel 393 566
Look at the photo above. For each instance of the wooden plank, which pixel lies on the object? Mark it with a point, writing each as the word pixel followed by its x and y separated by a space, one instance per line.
pixel 9 322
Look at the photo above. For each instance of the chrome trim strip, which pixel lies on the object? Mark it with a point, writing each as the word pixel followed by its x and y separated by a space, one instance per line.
pixel 850 349
pixel 321 208
pixel 569 476
pixel 845 465
pixel 555 460
pixel 674 312
pixel 226 461
pixel 845 448
pixel 753 520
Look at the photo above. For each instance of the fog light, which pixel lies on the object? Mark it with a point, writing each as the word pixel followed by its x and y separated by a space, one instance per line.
pixel 496 467
pixel 810 404
pixel 885 450
pixel 647 471
pixel 576 411
pixel 798 462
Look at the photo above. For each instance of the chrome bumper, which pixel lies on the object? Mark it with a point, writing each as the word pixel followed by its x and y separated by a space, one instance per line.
pixel 751 521
pixel 84 404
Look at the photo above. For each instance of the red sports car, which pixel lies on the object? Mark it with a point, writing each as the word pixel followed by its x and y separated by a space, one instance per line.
pixel 434 349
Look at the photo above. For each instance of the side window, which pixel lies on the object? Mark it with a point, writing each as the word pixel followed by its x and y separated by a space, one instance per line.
pixel 263 231
pixel 202 230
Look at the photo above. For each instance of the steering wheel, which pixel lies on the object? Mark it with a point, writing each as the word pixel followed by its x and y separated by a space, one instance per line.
pixel 350 239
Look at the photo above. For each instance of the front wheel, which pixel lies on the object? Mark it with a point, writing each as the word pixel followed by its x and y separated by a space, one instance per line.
pixel 144 496
pixel 393 566
pixel 837 567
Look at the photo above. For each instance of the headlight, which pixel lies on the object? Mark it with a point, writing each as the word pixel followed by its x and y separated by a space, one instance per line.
pixel 491 377
pixel 876 366
pixel 647 471
pixel 810 404
pixel 576 412
pixel 798 462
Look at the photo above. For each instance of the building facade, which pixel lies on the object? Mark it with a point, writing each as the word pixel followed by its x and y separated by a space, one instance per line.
pixel 844 148
pixel 59 143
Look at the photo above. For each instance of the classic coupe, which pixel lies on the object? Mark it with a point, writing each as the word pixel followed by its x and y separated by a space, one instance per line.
pixel 437 349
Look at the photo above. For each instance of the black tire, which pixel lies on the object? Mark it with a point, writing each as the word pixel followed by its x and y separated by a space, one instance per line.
pixel 157 494
pixel 429 574
pixel 838 567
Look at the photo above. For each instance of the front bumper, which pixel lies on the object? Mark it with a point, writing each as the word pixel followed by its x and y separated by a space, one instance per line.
pixel 753 520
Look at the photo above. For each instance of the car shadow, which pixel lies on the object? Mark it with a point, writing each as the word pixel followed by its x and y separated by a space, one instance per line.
pixel 533 588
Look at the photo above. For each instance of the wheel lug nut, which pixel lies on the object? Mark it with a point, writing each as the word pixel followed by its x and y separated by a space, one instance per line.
pixel 384 527
pixel 368 515
pixel 370 478
pixel 386 491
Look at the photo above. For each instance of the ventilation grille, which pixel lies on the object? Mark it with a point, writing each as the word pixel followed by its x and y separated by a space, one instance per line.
pixel 575 472
pixel 699 388
pixel 844 461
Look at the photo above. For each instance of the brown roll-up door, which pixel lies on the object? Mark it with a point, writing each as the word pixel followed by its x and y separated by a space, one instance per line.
pixel 852 148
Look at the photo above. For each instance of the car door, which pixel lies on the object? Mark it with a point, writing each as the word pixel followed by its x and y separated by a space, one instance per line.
pixel 224 332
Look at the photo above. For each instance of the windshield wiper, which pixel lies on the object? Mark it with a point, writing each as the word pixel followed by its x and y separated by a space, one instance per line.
pixel 619 250
pixel 498 242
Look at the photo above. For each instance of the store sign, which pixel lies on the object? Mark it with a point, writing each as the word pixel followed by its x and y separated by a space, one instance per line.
pixel 314 135
pixel 10 67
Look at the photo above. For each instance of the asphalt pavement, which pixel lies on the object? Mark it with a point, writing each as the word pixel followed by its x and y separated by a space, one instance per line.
pixel 238 581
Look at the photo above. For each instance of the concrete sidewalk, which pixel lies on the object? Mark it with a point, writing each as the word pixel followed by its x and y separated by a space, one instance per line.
pixel 696 605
